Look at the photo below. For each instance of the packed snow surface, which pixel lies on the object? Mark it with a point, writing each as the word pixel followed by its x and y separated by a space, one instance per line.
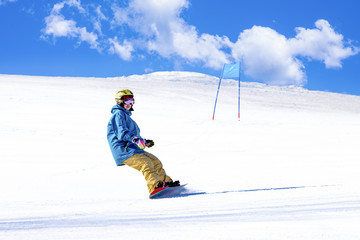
pixel 289 169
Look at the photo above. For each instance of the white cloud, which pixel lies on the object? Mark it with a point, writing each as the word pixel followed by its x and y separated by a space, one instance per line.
pixel 157 27
pixel 3 2
pixel 266 55
pixel 97 19
pixel 123 50
pixel 322 44
pixel 58 26
pixel 274 59
pixel 166 33
pixel 71 3
pixel 89 37
pixel 204 48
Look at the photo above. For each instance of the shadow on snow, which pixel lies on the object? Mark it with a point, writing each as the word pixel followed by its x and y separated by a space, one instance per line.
pixel 188 193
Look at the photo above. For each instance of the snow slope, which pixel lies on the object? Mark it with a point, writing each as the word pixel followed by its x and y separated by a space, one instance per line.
pixel 288 170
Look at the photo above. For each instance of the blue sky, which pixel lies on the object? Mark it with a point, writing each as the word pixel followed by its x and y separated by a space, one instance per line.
pixel 314 44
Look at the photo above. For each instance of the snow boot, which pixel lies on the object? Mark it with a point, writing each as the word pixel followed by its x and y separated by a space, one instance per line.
pixel 172 184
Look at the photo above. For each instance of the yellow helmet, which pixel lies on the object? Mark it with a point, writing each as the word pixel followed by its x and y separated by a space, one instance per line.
pixel 122 93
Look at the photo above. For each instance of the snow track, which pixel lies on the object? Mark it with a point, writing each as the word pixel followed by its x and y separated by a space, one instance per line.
pixel 288 170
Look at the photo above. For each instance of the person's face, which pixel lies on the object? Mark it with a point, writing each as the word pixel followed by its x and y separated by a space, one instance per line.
pixel 128 103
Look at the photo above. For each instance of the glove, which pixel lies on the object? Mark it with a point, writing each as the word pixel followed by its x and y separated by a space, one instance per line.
pixel 149 143
pixel 138 141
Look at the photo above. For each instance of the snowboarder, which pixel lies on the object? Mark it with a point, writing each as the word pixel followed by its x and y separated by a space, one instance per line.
pixel 127 145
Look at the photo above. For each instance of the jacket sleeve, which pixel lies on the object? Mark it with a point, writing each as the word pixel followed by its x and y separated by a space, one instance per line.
pixel 121 130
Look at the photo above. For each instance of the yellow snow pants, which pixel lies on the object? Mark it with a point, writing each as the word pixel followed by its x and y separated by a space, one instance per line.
pixel 151 167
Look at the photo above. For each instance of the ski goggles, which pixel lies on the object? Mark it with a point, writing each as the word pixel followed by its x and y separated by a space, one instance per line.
pixel 129 101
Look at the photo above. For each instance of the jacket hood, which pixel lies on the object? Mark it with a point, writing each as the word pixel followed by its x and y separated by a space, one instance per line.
pixel 119 108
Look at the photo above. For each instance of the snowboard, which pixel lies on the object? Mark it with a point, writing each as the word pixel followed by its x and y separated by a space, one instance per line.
pixel 167 192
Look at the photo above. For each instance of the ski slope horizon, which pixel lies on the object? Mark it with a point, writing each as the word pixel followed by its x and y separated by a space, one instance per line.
pixel 287 170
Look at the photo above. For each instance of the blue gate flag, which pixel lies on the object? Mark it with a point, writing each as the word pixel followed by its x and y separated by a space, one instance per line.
pixel 231 70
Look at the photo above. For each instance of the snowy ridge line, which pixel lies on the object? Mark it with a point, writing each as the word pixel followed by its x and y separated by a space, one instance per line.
pixel 189 193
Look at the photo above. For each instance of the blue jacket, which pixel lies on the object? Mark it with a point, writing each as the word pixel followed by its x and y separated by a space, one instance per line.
pixel 121 130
